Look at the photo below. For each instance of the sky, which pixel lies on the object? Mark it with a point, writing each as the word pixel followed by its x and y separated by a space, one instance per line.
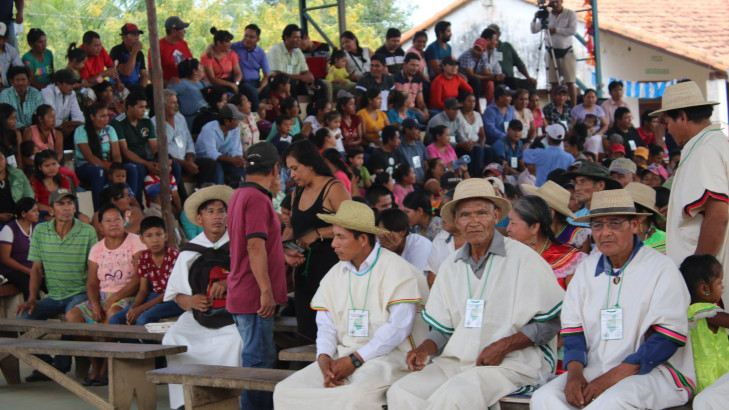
pixel 422 9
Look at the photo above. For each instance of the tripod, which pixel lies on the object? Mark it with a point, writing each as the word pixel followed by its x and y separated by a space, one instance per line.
pixel 545 42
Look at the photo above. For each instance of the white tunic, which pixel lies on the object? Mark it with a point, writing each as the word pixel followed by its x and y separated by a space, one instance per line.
pixel 703 173
pixel 220 347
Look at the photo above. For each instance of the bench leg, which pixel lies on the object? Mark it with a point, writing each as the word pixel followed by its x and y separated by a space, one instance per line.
pixel 82 366
pixel 11 369
pixel 127 380
pixel 209 398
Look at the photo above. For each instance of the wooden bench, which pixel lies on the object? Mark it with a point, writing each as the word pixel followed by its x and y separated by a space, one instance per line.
pixel 298 354
pixel 216 387
pixel 128 362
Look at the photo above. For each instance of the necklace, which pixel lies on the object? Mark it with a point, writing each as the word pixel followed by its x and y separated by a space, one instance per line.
pixel 2 183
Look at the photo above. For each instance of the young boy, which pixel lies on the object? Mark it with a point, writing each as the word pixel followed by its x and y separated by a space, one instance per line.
pixel 118 174
pixel 355 156
pixel 284 123
pixel 154 268
pixel 153 178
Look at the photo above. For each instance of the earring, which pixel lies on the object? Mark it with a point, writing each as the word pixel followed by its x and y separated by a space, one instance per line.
pixel 706 294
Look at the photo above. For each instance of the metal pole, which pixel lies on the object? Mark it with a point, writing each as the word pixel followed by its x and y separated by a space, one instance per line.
pixel 161 128
pixel 302 16
pixel 596 44
pixel 341 5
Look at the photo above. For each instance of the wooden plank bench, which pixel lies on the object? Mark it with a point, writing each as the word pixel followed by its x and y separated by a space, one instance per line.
pixel 217 387
pixel 128 363
pixel 298 354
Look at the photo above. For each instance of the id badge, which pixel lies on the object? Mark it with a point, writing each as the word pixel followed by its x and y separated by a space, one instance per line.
pixel 416 162
pixel 289 69
pixel 499 56
pixel 11 160
pixel 358 325
pixel 180 142
pixel 514 162
pixel 611 324
pixel 506 126
pixel 632 145
pixel 474 313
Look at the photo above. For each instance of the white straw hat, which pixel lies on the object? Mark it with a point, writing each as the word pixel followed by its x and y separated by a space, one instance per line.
pixel 682 95
pixel 611 202
pixel 554 195
pixel 193 202
pixel 355 216
pixel 644 196
pixel 473 188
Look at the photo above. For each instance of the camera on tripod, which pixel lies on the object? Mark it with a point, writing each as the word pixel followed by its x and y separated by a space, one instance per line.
pixel 543 13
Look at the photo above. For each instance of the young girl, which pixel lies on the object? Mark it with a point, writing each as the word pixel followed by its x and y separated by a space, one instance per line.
pixel 47 179
pixel 76 61
pixel 404 177
pixel 280 88
pixel 707 322
pixel 333 122
pixel 338 75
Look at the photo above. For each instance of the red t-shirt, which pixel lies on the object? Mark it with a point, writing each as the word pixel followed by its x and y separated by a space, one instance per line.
pixel 171 55
pixel 157 275
pixel 442 88
pixel 251 215
pixel 42 195
pixel 95 65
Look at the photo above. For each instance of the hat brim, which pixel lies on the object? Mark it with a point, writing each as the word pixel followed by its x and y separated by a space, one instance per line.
pixel 533 190
pixel 448 211
pixel 193 202
pixel 72 196
pixel 662 110
pixel 609 182
pixel 659 216
pixel 352 225
pixel 588 218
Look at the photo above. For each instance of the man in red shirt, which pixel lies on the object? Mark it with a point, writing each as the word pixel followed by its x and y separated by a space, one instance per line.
pixel 98 62
pixel 257 279
pixel 173 49
pixel 447 84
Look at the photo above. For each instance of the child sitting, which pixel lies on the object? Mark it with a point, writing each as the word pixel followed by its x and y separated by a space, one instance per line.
pixel 707 322
pixel 284 123
pixel 355 156
pixel 118 174
pixel 435 192
pixel 46 180
pixel 338 75
pixel 153 269
pixel 153 178
pixel 333 122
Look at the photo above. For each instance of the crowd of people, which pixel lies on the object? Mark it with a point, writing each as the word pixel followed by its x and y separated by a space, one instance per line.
pixel 398 184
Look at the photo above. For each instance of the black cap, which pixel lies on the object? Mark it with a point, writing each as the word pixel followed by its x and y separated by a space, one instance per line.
pixel 130 28
pixel 502 90
pixel 411 123
pixel 449 60
pixel 262 154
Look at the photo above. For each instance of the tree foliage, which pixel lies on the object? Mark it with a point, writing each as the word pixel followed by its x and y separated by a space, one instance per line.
pixel 65 21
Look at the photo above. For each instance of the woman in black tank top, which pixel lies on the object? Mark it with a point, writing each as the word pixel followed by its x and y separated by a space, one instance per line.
pixel 316 192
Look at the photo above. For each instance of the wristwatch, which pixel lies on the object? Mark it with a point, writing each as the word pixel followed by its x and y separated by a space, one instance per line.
pixel 355 360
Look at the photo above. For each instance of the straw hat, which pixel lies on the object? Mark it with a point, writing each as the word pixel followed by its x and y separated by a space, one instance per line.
pixel 682 95
pixel 554 195
pixel 193 202
pixel 613 202
pixel 355 216
pixel 473 188
pixel 644 196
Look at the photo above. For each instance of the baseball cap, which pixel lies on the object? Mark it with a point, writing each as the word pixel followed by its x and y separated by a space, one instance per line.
pixel 153 190
pixel 623 166
pixel 494 27
pixel 641 152
pixel 65 76
pixel 481 43
pixel 449 60
pixel 3 29
pixel 262 154
pixel 230 111
pixel 502 90
pixel 560 89
pixel 409 123
pixel 59 194
pixel 175 23
pixel 449 180
pixel 130 28
pixel 451 104
pixel 658 170
pixel 617 148
pixel 555 131
pixel 494 168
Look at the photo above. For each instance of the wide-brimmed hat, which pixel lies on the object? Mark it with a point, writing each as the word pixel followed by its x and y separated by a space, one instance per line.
pixel 355 216
pixel 613 202
pixel 473 188
pixel 682 95
pixel 644 196
pixel 193 202
pixel 596 171
pixel 554 195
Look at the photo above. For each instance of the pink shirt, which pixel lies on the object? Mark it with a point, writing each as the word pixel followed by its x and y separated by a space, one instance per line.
pixel 116 266
pixel 434 152
pixel 344 179
pixel 399 192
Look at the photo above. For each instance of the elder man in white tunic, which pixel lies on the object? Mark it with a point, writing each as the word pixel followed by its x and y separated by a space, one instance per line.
pixel 624 322
pixel 367 307
pixel 494 308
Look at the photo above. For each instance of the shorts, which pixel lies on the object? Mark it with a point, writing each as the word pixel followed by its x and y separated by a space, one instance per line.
pixel 88 314
pixel 567 66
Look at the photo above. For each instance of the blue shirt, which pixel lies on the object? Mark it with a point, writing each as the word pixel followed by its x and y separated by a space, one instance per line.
pixel 435 52
pixel 582 212
pixel 493 122
pixel 394 117
pixel 189 97
pixel 211 143
pixel 415 155
pixel 502 148
pixel 547 160
pixel 251 62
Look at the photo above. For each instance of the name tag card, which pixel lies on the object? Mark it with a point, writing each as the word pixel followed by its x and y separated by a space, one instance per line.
pixel 632 145
pixel 358 325
pixel 514 162
pixel 416 162
pixel 474 313
pixel 611 323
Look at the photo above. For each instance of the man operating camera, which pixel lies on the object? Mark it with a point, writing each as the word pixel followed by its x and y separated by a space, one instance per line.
pixel 561 25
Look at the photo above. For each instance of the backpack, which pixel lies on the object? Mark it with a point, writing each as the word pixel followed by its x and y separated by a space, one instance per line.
pixel 211 266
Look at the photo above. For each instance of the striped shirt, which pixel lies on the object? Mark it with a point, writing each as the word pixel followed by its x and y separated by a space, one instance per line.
pixel 65 261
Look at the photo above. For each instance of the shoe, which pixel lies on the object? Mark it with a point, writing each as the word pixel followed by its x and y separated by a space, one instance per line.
pixel 100 381
pixel 37 376
pixel 87 381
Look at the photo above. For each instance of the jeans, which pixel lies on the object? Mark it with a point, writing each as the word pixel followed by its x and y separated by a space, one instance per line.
pixel 226 173
pixel 151 315
pixel 10 24
pixel 258 351
pixel 94 176
pixel 250 89
pixel 48 308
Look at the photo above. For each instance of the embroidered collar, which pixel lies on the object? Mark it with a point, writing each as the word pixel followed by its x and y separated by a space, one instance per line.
pixel 604 265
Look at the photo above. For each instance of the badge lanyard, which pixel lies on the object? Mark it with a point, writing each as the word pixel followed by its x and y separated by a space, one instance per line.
pixel 473 317
pixel 358 322
pixel 620 288
pixel 611 318
pixel 468 278
pixel 692 148
pixel 368 282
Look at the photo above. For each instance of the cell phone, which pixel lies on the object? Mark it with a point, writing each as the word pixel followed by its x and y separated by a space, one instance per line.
pixel 294 246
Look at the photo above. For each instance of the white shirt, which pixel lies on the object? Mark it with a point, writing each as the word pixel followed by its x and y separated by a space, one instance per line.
pixel 444 244
pixel 565 25
pixel 179 140
pixel 179 281
pixel 65 105
pixel 417 249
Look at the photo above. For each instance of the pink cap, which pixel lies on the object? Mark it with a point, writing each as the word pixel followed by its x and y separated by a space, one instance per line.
pixel 481 43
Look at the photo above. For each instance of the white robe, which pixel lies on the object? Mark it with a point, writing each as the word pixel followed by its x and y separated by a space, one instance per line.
pixel 220 347
pixel 393 280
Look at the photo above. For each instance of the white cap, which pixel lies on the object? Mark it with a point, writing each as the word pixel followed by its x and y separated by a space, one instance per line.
pixel 556 131
pixel 3 29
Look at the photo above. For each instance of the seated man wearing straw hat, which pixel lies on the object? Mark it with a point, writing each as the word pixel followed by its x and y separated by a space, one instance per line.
pixel 367 307
pixel 622 350
pixel 589 178
pixel 494 309
pixel 198 283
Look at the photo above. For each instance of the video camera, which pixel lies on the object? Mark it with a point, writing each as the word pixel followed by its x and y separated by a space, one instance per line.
pixel 543 13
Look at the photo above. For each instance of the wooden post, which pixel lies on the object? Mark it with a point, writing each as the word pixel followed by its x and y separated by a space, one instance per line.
pixel 160 126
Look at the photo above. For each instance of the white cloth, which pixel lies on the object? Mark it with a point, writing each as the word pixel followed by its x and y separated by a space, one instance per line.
pixel 703 173
pixel 65 106
pixel 7 235
pixel 714 397
pixel 471 130
pixel 519 288
pixel 594 144
pixel 653 298
pixel 220 347
pixel 492 62
pixel 444 244
pixel 417 249
pixel 315 125
pixel 565 25
pixel 179 140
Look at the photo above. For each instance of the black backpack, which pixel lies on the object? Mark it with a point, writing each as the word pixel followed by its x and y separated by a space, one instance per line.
pixel 211 266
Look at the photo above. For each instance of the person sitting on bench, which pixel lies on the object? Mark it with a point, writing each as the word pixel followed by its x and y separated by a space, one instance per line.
pixel 198 283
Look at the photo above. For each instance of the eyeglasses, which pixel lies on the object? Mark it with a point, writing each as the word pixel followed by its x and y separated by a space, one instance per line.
pixel 611 223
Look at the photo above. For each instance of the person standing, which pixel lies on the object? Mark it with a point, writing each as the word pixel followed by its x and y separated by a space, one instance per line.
pixel 6 16
pixel 562 26
pixel 697 208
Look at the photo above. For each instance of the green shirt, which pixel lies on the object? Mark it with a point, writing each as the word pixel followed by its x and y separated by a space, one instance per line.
pixel 508 58
pixel 137 137
pixel 280 60
pixel 657 240
pixel 65 261
pixel 41 69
